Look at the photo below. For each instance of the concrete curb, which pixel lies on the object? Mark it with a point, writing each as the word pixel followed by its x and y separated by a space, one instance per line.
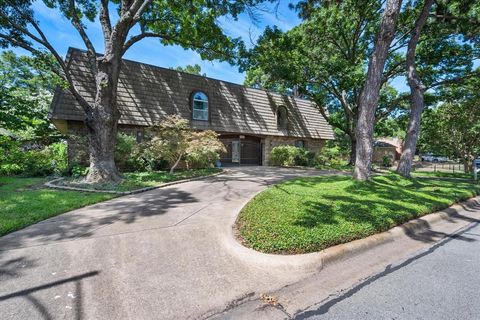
pixel 51 184
pixel 312 262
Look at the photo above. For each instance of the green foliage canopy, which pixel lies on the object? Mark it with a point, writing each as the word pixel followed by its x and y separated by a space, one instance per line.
pixel 453 128
pixel 26 90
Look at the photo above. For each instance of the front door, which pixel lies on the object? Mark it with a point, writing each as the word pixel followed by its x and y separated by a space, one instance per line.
pixel 236 151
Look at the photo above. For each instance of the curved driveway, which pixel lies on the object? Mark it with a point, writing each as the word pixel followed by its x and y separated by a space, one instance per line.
pixel 162 254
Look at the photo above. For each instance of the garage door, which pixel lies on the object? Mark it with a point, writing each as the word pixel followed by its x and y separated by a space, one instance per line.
pixel 246 151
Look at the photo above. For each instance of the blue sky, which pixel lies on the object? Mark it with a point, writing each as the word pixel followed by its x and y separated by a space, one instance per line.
pixel 62 35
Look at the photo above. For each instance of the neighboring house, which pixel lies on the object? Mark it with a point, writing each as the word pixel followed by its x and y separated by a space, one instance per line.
pixel 390 147
pixel 250 121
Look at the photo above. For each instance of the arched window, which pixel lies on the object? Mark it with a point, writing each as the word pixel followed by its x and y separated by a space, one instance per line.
pixel 282 117
pixel 199 106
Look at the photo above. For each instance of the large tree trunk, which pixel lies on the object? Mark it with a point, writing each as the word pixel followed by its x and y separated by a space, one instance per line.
pixel 371 91
pixel 417 90
pixel 353 150
pixel 102 121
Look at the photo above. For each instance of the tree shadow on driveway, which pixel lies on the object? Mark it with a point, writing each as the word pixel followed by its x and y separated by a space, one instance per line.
pixel 84 221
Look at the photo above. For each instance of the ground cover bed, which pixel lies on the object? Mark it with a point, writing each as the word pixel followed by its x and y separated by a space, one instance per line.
pixel 313 213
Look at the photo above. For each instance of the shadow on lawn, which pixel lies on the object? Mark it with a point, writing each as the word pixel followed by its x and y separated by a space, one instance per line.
pixel 393 202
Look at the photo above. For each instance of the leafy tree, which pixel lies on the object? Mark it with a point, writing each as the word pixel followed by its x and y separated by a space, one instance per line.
pixel 190 24
pixel 174 140
pixel 325 59
pixel 192 69
pixel 204 148
pixel 26 90
pixel 453 128
pixel 442 59
pixel 370 93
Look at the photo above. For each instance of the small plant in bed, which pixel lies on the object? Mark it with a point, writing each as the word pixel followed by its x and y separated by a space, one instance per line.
pixel 310 214
pixel 139 180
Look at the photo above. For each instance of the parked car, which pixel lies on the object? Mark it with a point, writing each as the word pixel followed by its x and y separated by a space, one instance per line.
pixel 431 158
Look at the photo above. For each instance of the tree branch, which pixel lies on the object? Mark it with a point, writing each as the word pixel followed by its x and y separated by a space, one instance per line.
pixel 105 19
pixel 392 71
pixel 445 17
pixel 21 29
pixel 141 10
pixel 21 44
pixel 91 53
pixel 143 35
pixel 45 43
pixel 454 80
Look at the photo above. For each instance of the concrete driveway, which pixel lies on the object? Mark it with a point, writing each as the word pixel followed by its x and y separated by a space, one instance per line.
pixel 163 254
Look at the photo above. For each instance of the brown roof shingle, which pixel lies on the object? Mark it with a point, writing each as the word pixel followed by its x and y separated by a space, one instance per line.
pixel 147 93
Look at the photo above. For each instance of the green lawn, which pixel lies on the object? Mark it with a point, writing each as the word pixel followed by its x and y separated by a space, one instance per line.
pixel 311 214
pixel 24 201
pixel 138 180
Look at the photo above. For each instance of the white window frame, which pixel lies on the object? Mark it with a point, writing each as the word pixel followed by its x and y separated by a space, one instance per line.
pixel 200 114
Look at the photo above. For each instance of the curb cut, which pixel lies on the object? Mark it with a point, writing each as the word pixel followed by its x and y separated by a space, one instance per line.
pixel 315 261
pixel 51 184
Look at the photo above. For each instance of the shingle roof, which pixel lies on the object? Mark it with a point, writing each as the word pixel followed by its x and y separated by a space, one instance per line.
pixel 147 93
pixel 383 144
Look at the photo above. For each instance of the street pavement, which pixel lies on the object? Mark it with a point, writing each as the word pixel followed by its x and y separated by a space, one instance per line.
pixel 441 282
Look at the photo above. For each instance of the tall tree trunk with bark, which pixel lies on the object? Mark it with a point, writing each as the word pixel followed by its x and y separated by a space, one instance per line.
pixel 371 91
pixel 102 119
pixel 417 90
pixel 353 150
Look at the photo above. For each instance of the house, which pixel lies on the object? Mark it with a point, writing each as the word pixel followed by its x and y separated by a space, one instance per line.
pixel 250 121
pixel 387 147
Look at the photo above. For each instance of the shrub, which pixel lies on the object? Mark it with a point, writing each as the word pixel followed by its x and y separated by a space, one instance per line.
pixel 79 171
pixel 174 141
pixel 11 156
pixel 304 157
pixel 204 149
pixel 386 161
pixel 10 169
pixel 147 159
pixel 50 160
pixel 329 157
pixel 125 152
pixel 284 156
pixel 58 154
pixel 36 164
pixel 46 161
